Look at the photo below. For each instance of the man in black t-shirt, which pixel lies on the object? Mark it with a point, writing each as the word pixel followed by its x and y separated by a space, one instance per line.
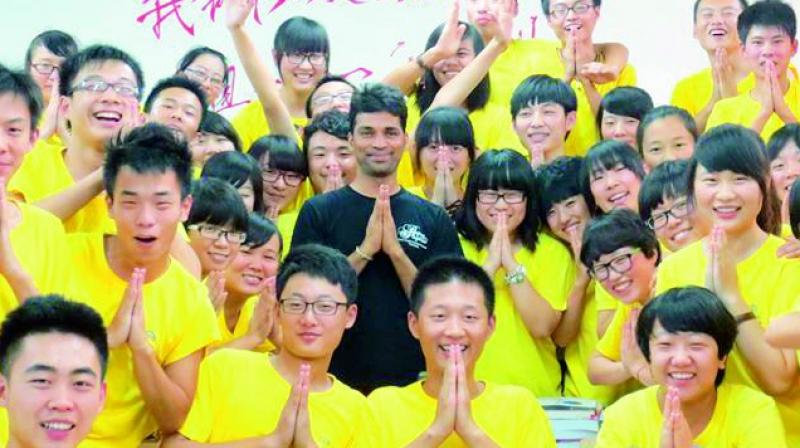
pixel 386 233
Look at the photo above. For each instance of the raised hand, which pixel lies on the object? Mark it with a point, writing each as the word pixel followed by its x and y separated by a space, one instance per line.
pixel 8 260
pixel 507 249
pixel 237 11
pixel 334 180
pixel 284 433
pixel 444 423
pixel 675 432
pixel 389 242
pixel 263 319
pixel 721 276
pixel 569 56
pixel 50 124
pixel 452 34
pixel 216 289
pixel 576 244
pixel 632 357
pixel 302 429
pixel 119 329
pixel 724 76
pixel 495 258
pixel 137 338
pixel 373 240
pixel 505 23
pixel 465 425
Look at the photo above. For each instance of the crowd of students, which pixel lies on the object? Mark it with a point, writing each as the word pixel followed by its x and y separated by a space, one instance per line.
pixel 405 263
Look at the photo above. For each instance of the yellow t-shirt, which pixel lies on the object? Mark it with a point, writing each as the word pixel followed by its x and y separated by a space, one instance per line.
pixel 241 327
pixel 179 320
pixel 610 345
pixel 512 355
pixel 770 285
pixel 694 92
pixel 742 418
pixel 509 415
pixel 605 301
pixel 251 124
pixel 241 395
pixel 286 223
pixel 39 243
pixel 43 173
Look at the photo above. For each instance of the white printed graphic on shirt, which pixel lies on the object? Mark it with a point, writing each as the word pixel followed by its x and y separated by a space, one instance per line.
pixel 412 235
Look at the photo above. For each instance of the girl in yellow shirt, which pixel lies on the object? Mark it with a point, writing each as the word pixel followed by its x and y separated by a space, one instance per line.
pixel 620 113
pixel 666 133
pixel 611 177
pixel 216 134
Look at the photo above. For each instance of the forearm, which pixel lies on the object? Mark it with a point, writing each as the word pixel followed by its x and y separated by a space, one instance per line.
pixel 604 318
pixel 760 121
pixel 538 316
pixel 406 76
pixel 592 95
pixel 479 439
pixel 67 202
pixel 357 261
pixel 455 92
pixel 428 439
pixel 701 119
pixel 775 370
pixel 183 253
pixel 21 284
pixel 405 269
pixel 605 371
pixel 168 403
pixel 569 326
pixel 784 332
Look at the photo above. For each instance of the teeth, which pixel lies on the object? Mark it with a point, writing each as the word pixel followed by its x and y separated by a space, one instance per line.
pixel 54 426
pixel 681 376
pixel 619 287
pixel 617 197
pixel 108 116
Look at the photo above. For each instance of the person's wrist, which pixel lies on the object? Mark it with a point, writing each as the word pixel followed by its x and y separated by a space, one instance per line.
pixel 364 252
pixel 143 349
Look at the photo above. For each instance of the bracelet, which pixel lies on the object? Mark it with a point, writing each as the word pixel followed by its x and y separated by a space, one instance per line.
pixel 362 254
pixel 421 63
pixel 517 276
pixel 744 317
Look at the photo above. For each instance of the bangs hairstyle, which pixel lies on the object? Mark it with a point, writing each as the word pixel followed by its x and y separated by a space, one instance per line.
pixel 767 13
pixel 617 229
pixel 666 181
pixel 237 169
pixel 51 314
pixel 742 3
pixel 321 262
pixel 214 123
pixel 794 208
pixel 20 84
pixel 57 42
pixel 196 52
pixel 779 140
pixel 606 156
pixel 441 270
pixel 98 55
pixel 283 154
pixel 539 89
pixel 688 310
pixel 300 34
pixel 216 202
pixel 151 148
pixel 557 181
pixel 325 80
pixel 660 113
pixel 738 149
pixel 428 86
pixel 497 169
pixel 447 126
pixel 260 230
pixel 333 122
pixel 376 98
pixel 626 101
pixel 178 82
pixel 546 5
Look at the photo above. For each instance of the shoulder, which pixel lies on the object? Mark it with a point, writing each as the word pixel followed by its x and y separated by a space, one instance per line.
pixel 691 81
pixel 33 215
pixel 551 245
pixel 388 397
pixel 230 360
pixel 633 404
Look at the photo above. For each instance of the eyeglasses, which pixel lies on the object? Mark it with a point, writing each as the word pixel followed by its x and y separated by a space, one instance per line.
pixel 98 86
pixel 44 68
pixel 320 308
pixel 678 211
pixel 328 98
pixel 491 197
pixel 214 233
pixel 452 149
pixel 620 265
pixel 561 10
pixel 316 59
pixel 290 178
pixel 200 77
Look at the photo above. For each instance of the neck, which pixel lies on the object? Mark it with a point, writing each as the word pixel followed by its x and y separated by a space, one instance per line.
pixel 553 154
pixel 288 366
pixel 81 158
pixel 294 100
pixel 433 383
pixel 698 412
pixel 369 185
pixel 122 264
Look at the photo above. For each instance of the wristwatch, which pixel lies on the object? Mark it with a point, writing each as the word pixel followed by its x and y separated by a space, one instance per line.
pixel 516 276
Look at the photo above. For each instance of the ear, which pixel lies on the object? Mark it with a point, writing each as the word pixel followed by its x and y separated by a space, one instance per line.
pixel 352 314
pixel 413 325
pixel 794 47
pixel 186 206
pixel 34 136
pixel 492 325
pixel 3 391
pixel 723 362
pixel 571 119
pixel 103 395
pixel 64 105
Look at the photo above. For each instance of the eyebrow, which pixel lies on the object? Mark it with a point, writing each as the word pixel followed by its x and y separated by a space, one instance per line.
pixel 297 295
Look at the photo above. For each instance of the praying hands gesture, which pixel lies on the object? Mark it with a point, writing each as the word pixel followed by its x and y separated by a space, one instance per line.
pixel 294 424
pixel 721 275
pixel 770 94
pixel 675 432
pixel 335 179
pixel 445 191
pixel 128 325
pixel 215 282
pixel 262 323
pixel 381 233
pixel 632 357
pixel 501 252
pixel 10 268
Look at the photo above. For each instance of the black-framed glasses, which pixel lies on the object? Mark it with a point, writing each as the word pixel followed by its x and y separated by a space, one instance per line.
pixel 679 210
pixel 619 264
pixel 328 98
pixel 290 178
pixel 44 68
pixel 320 307
pixel 212 232
pixel 199 76
pixel 316 59
pixel 98 86
pixel 452 149
pixel 492 196
pixel 561 10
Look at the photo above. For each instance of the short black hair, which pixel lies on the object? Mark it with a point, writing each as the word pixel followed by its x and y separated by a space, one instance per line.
pixel 20 84
pixel 546 6
pixel 666 181
pixel 216 202
pixel 152 148
pixel 300 34
pixel 627 101
pixel 333 122
pixel 57 42
pixel 260 230
pixel 445 125
pixel 237 169
pixel 375 98
pixel 614 230
pixel 767 13
pixel 742 3
pixel 325 80
pixel 178 82
pixel 51 314
pixel 493 170
pixel 196 52
pixel 284 154
pixel 97 54
pixel 779 140
pixel 318 261
pixel 557 181
pixel 447 269
pixel 604 156
pixel 794 208
pixel 688 310
pixel 732 147
pixel 661 112
pixel 214 123
pixel 538 89
pixel 428 86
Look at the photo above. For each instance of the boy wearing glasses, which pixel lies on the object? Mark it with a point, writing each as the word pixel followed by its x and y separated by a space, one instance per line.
pixel 247 398
pixel 621 253
pixel 158 315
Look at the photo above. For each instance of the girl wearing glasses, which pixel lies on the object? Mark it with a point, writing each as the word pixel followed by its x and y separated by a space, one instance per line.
pixel 208 68
pixel 533 272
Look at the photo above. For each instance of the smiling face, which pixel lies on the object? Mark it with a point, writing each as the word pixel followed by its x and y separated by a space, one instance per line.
pixel 544 127
pixel 672 220
pixel 215 254
pixel 666 139
pixel 326 151
pixel 378 140
pixel 615 188
pixel 304 75
pixel 487 209
pixel 633 284
pixel 178 109
pixel 452 314
pixel 715 24
pixel 785 169
pixel 331 95
pixel 17 135
pixel 447 69
pixel 582 24
pixel 568 216
pixel 248 272
pixel 456 156
pixel 204 145
pixel 208 71
pixel 54 390
pixel 769 45
pixel 43 60
pixel 619 127
pixel 726 199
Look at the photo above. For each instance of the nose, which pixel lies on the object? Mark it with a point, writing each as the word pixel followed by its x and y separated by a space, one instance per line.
pixel 454 328
pixel 562 215
pixel 308 318
pixel 536 118
pixel 331 160
pixel 680 356
pixel 725 191
pixel 619 129
pixel 146 217
pixel 611 180
pixel 60 401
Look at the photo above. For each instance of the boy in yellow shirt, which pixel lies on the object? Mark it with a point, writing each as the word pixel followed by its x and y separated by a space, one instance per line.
pixel 53 358
pixel 246 398
pixel 158 315
pixel 179 104
pixel 686 335
pixel 452 315
pixel 767 30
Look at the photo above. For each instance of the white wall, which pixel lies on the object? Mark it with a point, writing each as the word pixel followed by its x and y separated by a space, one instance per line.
pixel 373 34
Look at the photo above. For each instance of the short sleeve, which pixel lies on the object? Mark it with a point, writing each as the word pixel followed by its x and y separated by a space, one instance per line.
pixel 199 421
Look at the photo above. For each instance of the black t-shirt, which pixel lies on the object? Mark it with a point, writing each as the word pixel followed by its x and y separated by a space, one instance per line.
pixel 379 350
